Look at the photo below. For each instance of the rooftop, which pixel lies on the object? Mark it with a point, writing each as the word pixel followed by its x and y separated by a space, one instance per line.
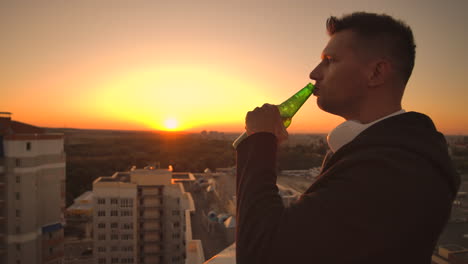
pixel 9 127
pixel 86 196
pixel 227 256
pixel 147 176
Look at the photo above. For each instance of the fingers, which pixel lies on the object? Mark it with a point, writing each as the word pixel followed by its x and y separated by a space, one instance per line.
pixel 265 107
pixel 266 119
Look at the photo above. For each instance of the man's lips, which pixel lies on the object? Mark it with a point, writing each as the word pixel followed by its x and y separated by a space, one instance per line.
pixel 316 91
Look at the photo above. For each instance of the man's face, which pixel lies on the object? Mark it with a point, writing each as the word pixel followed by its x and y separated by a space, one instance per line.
pixel 341 76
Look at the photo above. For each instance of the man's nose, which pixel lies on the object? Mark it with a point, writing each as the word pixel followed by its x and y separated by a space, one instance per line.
pixel 315 73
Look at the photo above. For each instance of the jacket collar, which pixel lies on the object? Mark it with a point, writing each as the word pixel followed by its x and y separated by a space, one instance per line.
pixel 350 129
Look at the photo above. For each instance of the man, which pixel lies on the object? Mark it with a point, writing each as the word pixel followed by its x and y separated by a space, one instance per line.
pixel 385 190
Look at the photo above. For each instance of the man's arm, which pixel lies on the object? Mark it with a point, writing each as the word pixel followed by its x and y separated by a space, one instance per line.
pixel 258 200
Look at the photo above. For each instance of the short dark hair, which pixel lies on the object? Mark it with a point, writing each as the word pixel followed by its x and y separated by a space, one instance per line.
pixel 394 36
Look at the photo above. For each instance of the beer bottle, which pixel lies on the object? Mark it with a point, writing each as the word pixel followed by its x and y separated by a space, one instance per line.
pixel 287 109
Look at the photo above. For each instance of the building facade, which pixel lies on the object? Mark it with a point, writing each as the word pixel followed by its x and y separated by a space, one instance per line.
pixel 139 217
pixel 32 194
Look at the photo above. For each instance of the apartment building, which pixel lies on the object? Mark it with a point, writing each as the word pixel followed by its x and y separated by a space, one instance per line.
pixel 32 194
pixel 139 217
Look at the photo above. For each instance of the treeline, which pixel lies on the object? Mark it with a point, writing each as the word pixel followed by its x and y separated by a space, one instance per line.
pixel 105 155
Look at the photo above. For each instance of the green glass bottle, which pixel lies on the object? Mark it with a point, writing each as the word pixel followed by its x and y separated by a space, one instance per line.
pixel 287 109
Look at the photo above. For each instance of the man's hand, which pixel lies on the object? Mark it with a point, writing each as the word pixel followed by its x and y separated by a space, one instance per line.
pixel 266 119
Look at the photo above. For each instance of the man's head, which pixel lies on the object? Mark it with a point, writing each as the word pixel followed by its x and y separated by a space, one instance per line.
pixel 368 60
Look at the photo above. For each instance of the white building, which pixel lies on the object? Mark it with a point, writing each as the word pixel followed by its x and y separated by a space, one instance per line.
pixel 32 194
pixel 140 217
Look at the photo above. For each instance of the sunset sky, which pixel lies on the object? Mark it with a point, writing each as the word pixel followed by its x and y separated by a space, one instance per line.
pixel 201 65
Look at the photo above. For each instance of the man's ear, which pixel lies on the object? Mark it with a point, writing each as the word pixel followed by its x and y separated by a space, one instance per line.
pixel 379 72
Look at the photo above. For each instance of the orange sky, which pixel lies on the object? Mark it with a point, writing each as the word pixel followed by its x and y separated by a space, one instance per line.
pixel 135 65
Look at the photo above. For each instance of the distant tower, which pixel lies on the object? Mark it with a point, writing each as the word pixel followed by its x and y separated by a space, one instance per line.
pixel 32 194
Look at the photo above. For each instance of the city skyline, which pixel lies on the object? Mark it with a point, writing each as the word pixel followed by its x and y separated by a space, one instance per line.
pixel 201 66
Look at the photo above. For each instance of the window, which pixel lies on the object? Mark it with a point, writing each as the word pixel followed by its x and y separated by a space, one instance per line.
pixel 28 146
pixel 102 237
pixel 18 179
pixel 101 213
pixel 101 249
pixel 127 248
pixel 127 236
pixel 102 261
pixel 18 229
pixel 114 225
pixel 178 200
pixel 17 194
pixel 101 201
pixel 114 201
pixel 126 260
pixel 18 162
pixel 176 224
pixel 127 226
pixel 175 212
pixel 18 213
pixel 114 248
pixel 101 225
pixel 114 213
pixel 114 237
pixel 176 235
pixel 18 247
pixel 114 260
pixel 126 213
pixel 126 203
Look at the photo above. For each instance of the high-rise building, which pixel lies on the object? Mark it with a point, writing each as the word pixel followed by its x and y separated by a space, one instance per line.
pixel 32 194
pixel 139 217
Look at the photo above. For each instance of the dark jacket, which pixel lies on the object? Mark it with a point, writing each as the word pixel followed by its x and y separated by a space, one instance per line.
pixel 385 197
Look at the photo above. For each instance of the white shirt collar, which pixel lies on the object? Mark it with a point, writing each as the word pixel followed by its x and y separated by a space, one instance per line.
pixel 348 130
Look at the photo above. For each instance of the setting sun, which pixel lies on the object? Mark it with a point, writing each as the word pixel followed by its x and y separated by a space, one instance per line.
pixel 171 124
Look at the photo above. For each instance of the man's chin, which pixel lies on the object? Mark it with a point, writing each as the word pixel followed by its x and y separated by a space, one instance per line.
pixel 321 104
pixel 327 108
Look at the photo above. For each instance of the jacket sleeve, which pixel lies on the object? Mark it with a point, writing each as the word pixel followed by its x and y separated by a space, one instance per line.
pixel 258 200
pixel 358 210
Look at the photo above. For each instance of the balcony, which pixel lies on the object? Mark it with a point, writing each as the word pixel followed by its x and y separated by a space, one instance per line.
pixel 150 239
pixel 152 253
pixel 152 259
pixel 149 228
pixel 151 205
pixel 148 193
pixel 150 214
pixel 145 217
